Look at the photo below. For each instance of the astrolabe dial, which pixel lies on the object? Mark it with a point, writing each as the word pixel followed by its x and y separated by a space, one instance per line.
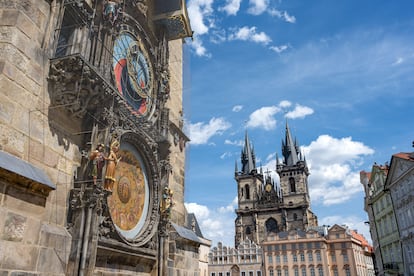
pixel 128 204
pixel 133 73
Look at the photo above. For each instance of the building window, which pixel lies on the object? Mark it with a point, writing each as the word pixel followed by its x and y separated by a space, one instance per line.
pixel 251 273
pixel 335 271
pixel 303 271
pixel 243 273
pixel 271 226
pixel 347 271
pixel 279 272
pixel 302 256
pixel 312 271
pixel 270 259
pixel 295 258
pixel 320 271
pixel 285 258
pixel 213 274
pixel 278 259
pixel 247 188
pixel 318 256
pixel 258 273
pixel 286 272
pixel 310 256
pixel 333 257
pixel 296 271
pixel 271 272
pixel 292 185
pixel 295 216
pixel 345 257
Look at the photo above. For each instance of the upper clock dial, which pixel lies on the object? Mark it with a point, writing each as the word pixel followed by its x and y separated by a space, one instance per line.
pixel 133 73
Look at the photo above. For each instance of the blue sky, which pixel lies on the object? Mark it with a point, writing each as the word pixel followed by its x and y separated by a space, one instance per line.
pixel 341 73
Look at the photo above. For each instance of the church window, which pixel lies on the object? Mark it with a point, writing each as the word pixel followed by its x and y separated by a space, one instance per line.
pixel 247 188
pixel 292 185
pixel 248 230
pixel 271 226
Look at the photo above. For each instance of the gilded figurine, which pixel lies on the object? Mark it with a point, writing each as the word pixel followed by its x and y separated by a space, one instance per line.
pixel 111 162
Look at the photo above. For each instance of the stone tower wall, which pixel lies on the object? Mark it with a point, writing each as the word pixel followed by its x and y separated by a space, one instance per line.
pixel 33 238
pixel 177 156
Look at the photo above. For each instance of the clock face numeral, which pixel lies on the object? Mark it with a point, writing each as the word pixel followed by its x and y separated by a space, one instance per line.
pixel 133 73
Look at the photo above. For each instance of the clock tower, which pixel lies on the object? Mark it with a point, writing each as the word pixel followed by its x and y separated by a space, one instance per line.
pixel 265 207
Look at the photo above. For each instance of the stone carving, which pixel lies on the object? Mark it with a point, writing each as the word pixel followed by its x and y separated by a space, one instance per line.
pixel 14 227
pixel 111 162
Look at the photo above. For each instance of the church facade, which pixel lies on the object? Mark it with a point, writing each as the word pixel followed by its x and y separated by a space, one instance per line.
pixel 92 150
pixel 264 207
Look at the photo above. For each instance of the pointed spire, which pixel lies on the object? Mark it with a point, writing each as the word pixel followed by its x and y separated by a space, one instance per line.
pixel 247 159
pixel 289 148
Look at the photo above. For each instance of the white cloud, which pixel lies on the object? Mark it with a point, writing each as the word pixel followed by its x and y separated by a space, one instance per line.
pixel 197 45
pixel 263 118
pixel 250 34
pixel 237 108
pixel 234 143
pixel 282 15
pixel 231 7
pixel 216 225
pixel 284 104
pixel 398 61
pixel 279 49
pixel 334 166
pixel 257 6
pixel 199 12
pixel 200 133
pixel 300 111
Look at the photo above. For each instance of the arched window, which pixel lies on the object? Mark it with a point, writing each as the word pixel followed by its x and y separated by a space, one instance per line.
pixel 292 185
pixel 271 226
pixel 247 188
pixel 248 230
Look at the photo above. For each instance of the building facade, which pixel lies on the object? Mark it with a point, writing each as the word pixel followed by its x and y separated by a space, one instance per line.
pixel 92 150
pixel 278 221
pixel 246 260
pixel 400 185
pixel 334 251
pixel 264 207
pixel 382 221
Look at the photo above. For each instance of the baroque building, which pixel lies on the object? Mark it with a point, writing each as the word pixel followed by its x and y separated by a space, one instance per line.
pixel 400 185
pixel 382 221
pixel 92 150
pixel 264 207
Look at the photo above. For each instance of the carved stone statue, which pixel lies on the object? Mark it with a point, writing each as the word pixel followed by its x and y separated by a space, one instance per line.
pixel 167 202
pixel 98 160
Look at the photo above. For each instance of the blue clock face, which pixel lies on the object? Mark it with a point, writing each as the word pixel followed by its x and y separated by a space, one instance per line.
pixel 133 73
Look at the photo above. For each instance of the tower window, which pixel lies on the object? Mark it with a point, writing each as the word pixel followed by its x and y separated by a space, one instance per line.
pixel 271 226
pixel 292 185
pixel 247 191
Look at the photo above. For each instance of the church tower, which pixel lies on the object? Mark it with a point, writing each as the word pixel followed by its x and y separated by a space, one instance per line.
pixel 293 173
pixel 265 207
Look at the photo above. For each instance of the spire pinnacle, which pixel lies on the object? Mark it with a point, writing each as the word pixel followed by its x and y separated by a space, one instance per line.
pixel 289 148
pixel 247 159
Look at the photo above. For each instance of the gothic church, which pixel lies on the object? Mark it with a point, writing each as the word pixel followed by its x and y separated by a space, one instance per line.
pixel 263 206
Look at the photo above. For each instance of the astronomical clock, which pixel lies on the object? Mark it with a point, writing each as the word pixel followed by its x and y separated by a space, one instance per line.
pixel 110 79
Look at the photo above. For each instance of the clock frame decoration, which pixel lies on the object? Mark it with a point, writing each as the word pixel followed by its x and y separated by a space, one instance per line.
pixel 133 73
